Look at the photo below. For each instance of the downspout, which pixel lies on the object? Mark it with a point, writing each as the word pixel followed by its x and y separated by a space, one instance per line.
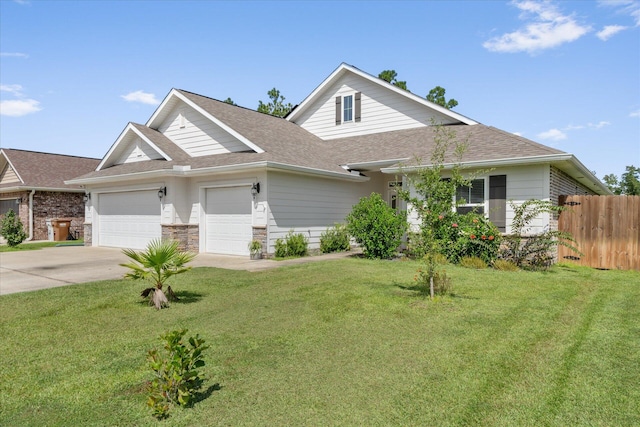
pixel 31 214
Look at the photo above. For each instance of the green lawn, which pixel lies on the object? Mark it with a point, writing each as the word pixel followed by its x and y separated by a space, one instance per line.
pixel 335 343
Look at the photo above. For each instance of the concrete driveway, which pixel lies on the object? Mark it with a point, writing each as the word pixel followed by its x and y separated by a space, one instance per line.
pixel 59 266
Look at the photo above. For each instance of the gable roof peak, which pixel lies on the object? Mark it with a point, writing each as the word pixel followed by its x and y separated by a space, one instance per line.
pixel 344 68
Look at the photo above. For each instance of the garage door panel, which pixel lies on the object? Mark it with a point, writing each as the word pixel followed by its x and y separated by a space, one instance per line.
pixel 129 219
pixel 228 220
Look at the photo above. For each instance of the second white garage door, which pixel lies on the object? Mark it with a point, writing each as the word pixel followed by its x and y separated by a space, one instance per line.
pixel 129 219
pixel 228 220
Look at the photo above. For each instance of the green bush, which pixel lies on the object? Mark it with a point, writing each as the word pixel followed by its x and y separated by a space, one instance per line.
pixel 281 248
pixel 11 229
pixel 294 245
pixel 376 226
pixel 469 235
pixel 335 239
pixel 177 379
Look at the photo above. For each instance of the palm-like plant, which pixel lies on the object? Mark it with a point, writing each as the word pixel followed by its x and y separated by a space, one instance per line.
pixel 161 260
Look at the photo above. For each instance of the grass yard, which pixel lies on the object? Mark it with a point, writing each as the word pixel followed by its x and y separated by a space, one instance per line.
pixel 335 343
pixel 28 246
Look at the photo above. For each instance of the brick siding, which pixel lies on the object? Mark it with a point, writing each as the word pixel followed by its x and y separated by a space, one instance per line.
pixel 49 205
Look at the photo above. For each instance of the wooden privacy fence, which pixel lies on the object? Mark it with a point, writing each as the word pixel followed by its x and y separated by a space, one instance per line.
pixel 606 228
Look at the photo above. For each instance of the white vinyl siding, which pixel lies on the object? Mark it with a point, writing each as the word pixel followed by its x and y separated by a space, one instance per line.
pixel 196 134
pixel 128 219
pixel 228 228
pixel 382 110
pixel 137 151
pixel 523 183
pixel 310 205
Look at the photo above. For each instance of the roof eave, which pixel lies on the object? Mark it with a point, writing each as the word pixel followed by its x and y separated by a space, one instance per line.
pixel 243 167
pixel 587 179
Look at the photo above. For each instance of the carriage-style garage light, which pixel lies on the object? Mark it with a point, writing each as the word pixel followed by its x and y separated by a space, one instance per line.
pixel 162 192
pixel 87 197
pixel 18 200
pixel 255 189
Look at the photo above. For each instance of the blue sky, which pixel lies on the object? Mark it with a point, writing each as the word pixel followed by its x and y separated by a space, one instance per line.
pixel 565 74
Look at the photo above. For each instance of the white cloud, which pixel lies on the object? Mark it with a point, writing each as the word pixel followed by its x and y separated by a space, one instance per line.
pixel 547 29
pixel 142 97
pixel 598 125
pixel 15 90
pixel 573 127
pixel 625 7
pixel 635 113
pixel 14 54
pixel 609 31
pixel 19 107
pixel 553 134
pixel 517 133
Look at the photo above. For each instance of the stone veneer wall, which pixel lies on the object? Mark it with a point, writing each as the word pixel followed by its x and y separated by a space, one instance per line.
pixel 88 234
pixel 260 234
pixel 187 234
pixel 48 205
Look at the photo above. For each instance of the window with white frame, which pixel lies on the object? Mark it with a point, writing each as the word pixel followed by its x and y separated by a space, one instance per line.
pixel 347 108
pixel 470 198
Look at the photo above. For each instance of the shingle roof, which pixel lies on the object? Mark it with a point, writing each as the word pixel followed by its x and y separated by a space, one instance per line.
pixel 483 143
pixel 45 170
pixel 287 143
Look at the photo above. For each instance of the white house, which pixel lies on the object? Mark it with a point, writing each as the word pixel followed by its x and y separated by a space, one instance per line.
pixel 215 176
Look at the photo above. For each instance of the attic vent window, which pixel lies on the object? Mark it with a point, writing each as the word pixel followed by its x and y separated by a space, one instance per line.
pixel 181 121
pixel 348 108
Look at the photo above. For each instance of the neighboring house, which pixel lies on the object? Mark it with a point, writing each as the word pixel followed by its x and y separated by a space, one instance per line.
pixel 32 185
pixel 215 176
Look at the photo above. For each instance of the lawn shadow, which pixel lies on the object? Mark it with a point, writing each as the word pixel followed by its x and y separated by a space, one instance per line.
pixel 421 291
pixel 186 297
pixel 202 395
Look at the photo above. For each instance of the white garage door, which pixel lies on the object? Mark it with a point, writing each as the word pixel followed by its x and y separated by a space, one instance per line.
pixel 129 219
pixel 228 220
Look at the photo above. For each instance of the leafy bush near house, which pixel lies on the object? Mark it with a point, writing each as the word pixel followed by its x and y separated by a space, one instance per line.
pixel 177 379
pixel 376 226
pixel 534 251
pixel 294 245
pixel 12 230
pixel 335 239
pixel 469 235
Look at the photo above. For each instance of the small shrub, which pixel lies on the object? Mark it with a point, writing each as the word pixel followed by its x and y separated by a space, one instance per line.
pixel 294 245
pixel 504 265
pixel 473 262
pixel 376 226
pixel 12 230
pixel 335 239
pixel 297 244
pixel 177 379
pixel 281 248
pixel 535 251
pixel 441 282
